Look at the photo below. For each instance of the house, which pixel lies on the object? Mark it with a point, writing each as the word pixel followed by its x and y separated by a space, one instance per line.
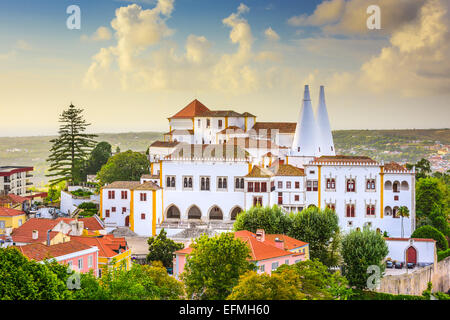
pixel 78 256
pixel 268 252
pixel 113 252
pixel 10 219
pixel 421 252
pixel 15 180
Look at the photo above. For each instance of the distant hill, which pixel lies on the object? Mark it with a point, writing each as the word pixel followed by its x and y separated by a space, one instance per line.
pixel 395 145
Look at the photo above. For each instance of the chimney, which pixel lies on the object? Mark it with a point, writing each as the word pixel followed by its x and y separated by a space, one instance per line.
pixel 279 243
pixel 48 237
pixel 323 126
pixel 260 235
pixel 34 235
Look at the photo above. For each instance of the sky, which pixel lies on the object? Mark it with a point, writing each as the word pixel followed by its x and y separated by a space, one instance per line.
pixel 133 64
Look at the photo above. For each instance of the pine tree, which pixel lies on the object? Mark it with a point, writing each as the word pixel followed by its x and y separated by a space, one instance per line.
pixel 71 147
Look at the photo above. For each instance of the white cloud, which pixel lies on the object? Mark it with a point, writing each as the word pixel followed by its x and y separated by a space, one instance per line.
pixel 271 34
pixel 101 34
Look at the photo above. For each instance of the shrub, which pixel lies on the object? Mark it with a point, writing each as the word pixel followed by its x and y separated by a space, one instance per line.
pixel 443 254
pixel 429 232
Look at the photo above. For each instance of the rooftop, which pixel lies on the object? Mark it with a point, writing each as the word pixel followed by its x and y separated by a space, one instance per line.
pixel 108 245
pixel 193 109
pixel 39 251
pixel 7 212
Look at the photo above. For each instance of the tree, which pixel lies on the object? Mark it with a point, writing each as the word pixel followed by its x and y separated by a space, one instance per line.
pixel 317 283
pixel 319 228
pixel 71 146
pixel 22 279
pixel 214 266
pixel 99 156
pixel 124 166
pixel 404 213
pixel 423 168
pixel 271 219
pixel 361 249
pixel 429 232
pixel 161 249
pixel 283 285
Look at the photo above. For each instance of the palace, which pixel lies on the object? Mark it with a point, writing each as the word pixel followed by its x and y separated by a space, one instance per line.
pixel 213 164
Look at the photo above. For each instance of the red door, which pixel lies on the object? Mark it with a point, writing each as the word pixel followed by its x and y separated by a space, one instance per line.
pixel 127 221
pixel 411 255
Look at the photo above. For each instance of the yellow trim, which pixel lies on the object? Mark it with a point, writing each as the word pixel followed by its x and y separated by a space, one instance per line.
pixel 246 124
pixel 270 161
pixel 287 160
pixel 101 203
pixel 249 167
pixel 154 213
pixel 381 192
pixel 319 177
pixel 132 211
pixel 193 125
pixel 151 168
pixel 161 185
pixel 226 122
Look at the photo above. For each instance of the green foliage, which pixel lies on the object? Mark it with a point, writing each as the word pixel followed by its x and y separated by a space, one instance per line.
pixel 423 168
pixel 162 248
pixel 361 249
pixel 283 285
pixel 71 147
pixel 82 193
pixel 125 166
pixel 319 228
pixel 429 232
pixel 372 295
pixel 214 266
pixel 21 279
pixel 429 295
pixel 99 156
pixel 441 255
pixel 272 220
pixel 317 283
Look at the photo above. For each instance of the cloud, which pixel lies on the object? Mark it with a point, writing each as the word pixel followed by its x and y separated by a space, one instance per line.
pixel 101 34
pixel 416 61
pixel 23 45
pixel 339 17
pixel 197 48
pixel 271 34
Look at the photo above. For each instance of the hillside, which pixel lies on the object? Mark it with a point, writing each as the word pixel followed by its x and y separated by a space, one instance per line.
pixel 388 145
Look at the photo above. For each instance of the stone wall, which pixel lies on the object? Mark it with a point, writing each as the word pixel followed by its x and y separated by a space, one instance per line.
pixel 416 282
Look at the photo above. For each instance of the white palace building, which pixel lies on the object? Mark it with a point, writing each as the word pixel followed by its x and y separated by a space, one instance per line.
pixel 213 164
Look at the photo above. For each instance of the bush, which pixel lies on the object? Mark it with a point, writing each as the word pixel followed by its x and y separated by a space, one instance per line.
pixel 429 232
pixel 81 193
pixel 372 295
pixel 271 219
pixel 443 254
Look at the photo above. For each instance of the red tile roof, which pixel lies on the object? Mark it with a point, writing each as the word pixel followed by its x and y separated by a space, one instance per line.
pixel 91 223
pixel 8 212
pixel 289 243
pixel 282 127
pixel 24 233
pixel 164 144
pixel 260 250
pixel 17 199
pixel 407 239
pixel 187 250
pixel 108 245
pixel 288 170
pixel 345 159
pixel 394 166
pixel 39 251
pixel 193 109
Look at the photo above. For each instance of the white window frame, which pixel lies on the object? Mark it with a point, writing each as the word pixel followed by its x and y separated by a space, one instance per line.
pixel 217 183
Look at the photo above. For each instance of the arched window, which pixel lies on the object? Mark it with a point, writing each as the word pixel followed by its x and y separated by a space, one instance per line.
pixel 220 183
pixel 203 184
pixel 194 213
pixel 173 212
pixel 242 183
pixel 168 182
pixel 172 182
pixel 224 185
pixel 185 182
pixel 235 212
pixel 404 186
pixel 350 185
pixel 237 184
pixel 207 183
pixel 190 183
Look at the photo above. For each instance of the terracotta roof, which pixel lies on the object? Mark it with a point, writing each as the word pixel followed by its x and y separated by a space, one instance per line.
pixel 288 170
pixel 180 132
pixel 220 113
pixel 150 176
pixel 193 109
pixel 107 245
pixel 164 144
pixel 289 243
pixel 394 166
pixel 234 129
pixel 282 127
pixel 8 212
pixel 39 251
pixel 122 185
pixel 259 172
pixel 187 250
pixel 345 159
pixel 407 239
pixel 206 151
pixel 248 114
pixel 17 199
pixel 148 185
pixel 24 233
pixel 260 250
pixel 91 223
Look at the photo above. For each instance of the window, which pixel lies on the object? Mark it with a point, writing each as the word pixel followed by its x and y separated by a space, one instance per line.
pixel 107 213
pixel 370 210
pixel 394 213
pixel 219 124
pixel 257 187
pixel 143 196
pixel 351 185
pixel 309 185
pixel 280 197
pixel 312 172
pixel 315 185
pixel 187 182
pixel 280 184
pixel 331 184
pixel 124 209
pixel 263 186
pixel 274 266
pixel 90 261
pixel 297 197
pixel 111 194
pixel 113 209
pixel 204 183
pixel 80 264
pixel 142 216
pixel 350 211
pixel 331 206
pixel 250 186
pixel 170 182
pixel 198 123
pixel 124 194
pixel 370 184
pixel 286 261
pixel 208 123
pixel 222 183
pixel 20 222
pixel 257 201
pixel 239 183
pixel 297 185
pixel 262 268
pixel 2 224
pixel 288 184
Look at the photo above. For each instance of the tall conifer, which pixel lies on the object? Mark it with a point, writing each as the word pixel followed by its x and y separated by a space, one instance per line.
pixel 72 145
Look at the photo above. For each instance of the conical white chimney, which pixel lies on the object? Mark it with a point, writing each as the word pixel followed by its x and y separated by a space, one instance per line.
pixel 324 135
